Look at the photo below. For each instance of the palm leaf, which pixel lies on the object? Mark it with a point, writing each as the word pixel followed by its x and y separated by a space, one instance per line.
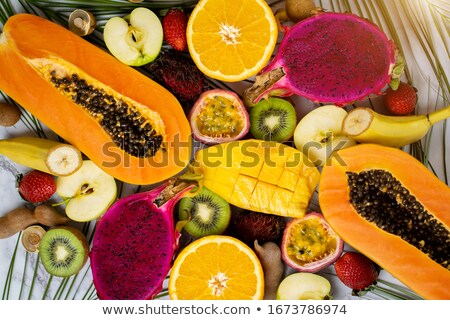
pixel 421 35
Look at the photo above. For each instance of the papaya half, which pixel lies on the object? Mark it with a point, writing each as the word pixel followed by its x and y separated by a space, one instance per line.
pixel 130 126
pixel 390 207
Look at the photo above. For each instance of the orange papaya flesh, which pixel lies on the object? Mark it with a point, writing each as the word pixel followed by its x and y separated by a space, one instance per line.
pixel 127 124
pixel 387 205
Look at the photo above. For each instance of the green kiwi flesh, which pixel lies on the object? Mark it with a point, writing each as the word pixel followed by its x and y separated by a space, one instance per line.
pixel 273 119
pixel 207 212
pixel 63 251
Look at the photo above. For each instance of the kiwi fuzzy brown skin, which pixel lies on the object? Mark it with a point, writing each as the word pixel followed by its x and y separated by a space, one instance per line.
pixel 9 114
pixel 79 235
pixel 269 109
pixel 249 226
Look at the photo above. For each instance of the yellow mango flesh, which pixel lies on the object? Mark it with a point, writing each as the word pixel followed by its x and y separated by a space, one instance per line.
pixel 258 175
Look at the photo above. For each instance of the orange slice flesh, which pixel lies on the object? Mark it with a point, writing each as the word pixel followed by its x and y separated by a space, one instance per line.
pixel 216 268
pixel 231 40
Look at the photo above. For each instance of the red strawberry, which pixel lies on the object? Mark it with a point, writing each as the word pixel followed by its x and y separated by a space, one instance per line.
pixel 37 186
pixel 402 101
pixel 356 271
pixel 174 26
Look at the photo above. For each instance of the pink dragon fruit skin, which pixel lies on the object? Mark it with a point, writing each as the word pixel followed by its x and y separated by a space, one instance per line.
pixel 133 247
pixel 333 58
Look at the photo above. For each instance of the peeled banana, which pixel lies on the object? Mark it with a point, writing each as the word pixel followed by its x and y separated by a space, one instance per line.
pixel 45 155
pixel 367 126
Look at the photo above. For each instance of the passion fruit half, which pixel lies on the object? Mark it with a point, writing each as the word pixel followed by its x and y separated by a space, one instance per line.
pixel 219 116
pixel 309 244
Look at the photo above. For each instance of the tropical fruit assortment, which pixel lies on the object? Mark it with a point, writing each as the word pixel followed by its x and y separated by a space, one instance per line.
pixel 94 101
pixel 375 196
pixel 234 219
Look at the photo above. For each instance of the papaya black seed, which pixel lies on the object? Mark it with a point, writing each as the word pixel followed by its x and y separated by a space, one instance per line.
pixel 114 115
pixel 379 197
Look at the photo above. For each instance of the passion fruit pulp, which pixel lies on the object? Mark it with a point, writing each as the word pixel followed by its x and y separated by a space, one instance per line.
pixel 219 116
pixel 309 244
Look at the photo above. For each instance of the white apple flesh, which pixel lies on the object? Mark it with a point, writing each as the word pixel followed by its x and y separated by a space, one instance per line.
pixel 319 133
pixel 135 39
pixel 304 286
pixel 89 192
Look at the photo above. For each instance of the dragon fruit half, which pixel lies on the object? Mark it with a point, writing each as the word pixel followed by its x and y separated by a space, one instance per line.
pixel 134 244
pixel 333 58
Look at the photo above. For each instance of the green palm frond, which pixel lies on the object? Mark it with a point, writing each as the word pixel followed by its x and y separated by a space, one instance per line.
pixel 79 286
pixel 102 9
pixel 422 38
pixel 430 27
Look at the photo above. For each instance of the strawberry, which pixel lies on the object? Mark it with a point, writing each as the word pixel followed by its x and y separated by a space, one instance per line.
pixel 37 186
pixel 402 101
pixel 356 271
pixel 174 27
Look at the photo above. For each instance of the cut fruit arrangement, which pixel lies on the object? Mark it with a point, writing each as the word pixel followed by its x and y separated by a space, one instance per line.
pixel 238 218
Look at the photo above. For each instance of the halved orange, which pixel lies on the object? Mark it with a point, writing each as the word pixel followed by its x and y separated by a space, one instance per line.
pixel 231 40
pixel 216 268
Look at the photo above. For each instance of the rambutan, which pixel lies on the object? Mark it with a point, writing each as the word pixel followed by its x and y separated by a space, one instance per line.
pixel 178 73
pixel 249 226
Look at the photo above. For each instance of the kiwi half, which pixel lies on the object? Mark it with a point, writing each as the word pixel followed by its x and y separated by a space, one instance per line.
pixel 273 119
pixel 207 212
pixel 63 251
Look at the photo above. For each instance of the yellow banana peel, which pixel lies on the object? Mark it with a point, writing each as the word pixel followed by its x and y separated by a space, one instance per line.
pixel 367 126
pixel 45 155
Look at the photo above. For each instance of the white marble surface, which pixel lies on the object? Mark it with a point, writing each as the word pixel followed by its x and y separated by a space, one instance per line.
pixel 24 267
pixel 25 263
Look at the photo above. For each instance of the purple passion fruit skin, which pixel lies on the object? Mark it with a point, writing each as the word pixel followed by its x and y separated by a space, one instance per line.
pixel 309 244
pixel 219 116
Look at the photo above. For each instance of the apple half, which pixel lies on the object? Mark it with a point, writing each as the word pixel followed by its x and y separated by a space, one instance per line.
pixel 319 133
pixel 88 192
pixel 304 286
pixel 135 39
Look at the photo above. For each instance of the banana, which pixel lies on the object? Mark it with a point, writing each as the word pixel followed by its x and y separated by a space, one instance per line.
pixel 367 126
pixel 45 155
